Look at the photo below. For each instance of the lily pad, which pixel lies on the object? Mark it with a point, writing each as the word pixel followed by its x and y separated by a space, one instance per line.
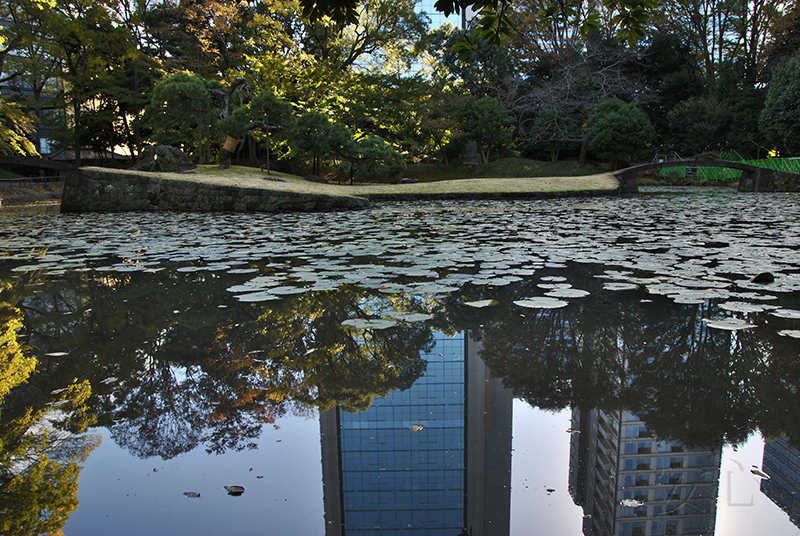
pixel 567 293
pixel 369 323
pixel 257 297
pixel 479 304
pixel 409 317
pixel 794 333
pixel 620 286
pixel 742 307
pixel 541 303
pixel 729 324
pixel 786 313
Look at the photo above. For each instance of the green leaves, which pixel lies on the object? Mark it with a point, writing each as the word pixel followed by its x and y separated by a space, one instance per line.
pixel 15 125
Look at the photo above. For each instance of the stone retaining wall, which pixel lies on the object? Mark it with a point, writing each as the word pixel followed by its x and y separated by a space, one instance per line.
pixel 106 191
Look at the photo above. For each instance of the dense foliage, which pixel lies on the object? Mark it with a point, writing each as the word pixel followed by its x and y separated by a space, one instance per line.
pixel 521 80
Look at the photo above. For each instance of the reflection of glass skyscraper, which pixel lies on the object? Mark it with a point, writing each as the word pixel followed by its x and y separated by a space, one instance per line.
pixel 782 463
pixel 433 459
pixel 630 484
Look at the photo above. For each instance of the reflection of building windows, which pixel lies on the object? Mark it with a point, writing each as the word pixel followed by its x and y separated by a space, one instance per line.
pixel 668 481
pixel 380 476
pixel 782 463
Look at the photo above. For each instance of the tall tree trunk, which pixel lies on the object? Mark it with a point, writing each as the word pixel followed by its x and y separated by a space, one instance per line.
pixel 76 111
pixel 200 138
pixel 269 171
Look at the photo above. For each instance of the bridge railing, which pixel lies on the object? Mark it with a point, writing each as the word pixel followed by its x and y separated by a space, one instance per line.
pixel 712 174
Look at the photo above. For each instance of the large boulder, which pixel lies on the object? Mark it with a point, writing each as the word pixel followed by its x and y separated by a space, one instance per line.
pixel 163 158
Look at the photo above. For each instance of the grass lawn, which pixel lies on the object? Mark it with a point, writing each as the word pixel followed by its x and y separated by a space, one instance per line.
pixel 506 167
pixel 509 178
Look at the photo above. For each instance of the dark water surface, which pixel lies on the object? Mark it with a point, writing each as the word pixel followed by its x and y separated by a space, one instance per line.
pixel 484 368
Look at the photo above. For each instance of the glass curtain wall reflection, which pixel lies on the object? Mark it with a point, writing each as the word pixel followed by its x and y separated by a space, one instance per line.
pixel 631 484
pixel 782 463
pixel 433 459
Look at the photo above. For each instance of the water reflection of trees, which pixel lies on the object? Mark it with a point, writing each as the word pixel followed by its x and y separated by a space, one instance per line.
pixel 176 362
pixel 654 357
pixel 41 446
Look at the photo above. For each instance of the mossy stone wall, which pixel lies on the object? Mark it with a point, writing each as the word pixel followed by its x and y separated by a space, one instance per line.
pixel 107 191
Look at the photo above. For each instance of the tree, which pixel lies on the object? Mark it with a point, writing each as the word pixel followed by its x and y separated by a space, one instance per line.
pixel 312 135
pixel 556 129
pixel 269 114
pixel 617 131
pixel 494 20
pixel 488 122
pixel 698 125
pixel 377 160
pixel 89 43
pixel 780 118
pixel 383 33
pixel 15 126
pixel 179 112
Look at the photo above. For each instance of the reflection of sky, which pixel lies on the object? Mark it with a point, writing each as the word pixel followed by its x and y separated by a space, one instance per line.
pixel 122 495
pixel 540 461
pixel 742 508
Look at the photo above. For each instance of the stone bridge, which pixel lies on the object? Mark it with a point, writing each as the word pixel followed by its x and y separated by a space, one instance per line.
pixel 753 179
pixel 33 167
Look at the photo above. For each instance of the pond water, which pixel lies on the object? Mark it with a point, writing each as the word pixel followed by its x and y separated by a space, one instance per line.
pixel 486 368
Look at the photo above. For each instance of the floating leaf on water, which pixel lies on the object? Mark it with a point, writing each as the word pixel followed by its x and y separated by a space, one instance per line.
pixel 59 391
pixel 56 354
pixel 60 403
pixel 369 323
pixel 730 324
pixel 567 293
pixel 760 474
pixel 541 303
pixel 288 290
pixel 257 297
pixel 192 494
pixel 416 427
pixel 742 307
pixel 409 317
pixel 110 379
pixel 482 303
pixel 554 278
pixel 794 333
pixel 786 313
pixel 620 286
pixel 631 503
pixel 234 490
pixel 765 277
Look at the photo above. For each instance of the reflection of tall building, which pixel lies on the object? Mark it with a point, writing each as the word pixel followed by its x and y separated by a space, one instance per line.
pixel 782 463
pixel 630 484
pixel 383 474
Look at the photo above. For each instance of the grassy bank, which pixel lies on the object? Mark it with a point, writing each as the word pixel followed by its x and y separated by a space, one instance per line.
pixel 506 178
pixel 246 177
pixel 506 168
